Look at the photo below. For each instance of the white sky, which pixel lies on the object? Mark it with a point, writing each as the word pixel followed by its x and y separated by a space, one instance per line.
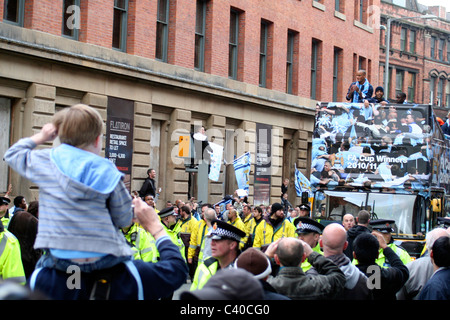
pixel 443 3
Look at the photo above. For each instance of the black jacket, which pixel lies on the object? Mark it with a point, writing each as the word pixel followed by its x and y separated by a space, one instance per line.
pixel 147 188
pixel 390 279
pixel 351 236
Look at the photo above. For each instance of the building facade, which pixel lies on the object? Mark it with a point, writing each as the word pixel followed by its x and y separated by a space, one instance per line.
pixel 419 52
pixel 157 69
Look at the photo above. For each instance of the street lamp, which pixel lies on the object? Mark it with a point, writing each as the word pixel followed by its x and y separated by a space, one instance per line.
pixel 388 44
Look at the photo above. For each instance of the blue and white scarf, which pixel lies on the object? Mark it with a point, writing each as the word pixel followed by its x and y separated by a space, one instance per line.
pixel 363 88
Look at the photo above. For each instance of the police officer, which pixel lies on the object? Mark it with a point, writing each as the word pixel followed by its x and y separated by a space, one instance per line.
pixel 168 218
pixel 4 203
pixel 385 226
pixel 309 230
pixel 141 242
pixel 225 240
pixel 304 210
pixel 11 266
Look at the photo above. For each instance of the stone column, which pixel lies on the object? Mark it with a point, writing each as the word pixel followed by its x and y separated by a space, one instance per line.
pixel 141 144
pixel 30 115
pixel 277 164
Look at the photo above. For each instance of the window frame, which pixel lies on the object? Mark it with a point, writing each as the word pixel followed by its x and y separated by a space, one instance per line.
pixel 76 30
pixel 233 47
pixel 403 39
pixel 264 38
pixel 200 37
pixel 122 45
pixel 314 67
pixel 290 61
pixel 163 42
pixel 20 14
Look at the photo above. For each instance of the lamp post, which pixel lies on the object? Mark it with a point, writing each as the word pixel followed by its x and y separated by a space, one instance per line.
pixel 388 44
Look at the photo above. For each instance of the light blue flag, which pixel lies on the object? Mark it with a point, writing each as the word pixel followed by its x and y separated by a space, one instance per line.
pixel 215 161
pixel 223 204
pixel 242 171
pixel 302 184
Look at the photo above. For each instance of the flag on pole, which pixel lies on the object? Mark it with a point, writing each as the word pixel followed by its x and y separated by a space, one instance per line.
pixel 223 205
pixel 302 184
pixel 242 171
pixel 215 161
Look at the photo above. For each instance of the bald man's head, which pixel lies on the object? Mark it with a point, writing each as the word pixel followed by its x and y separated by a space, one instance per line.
pixel 334 239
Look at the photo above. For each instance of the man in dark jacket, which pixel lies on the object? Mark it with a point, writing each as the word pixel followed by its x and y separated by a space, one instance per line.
pixel 333 242
pixel 149 185
pixel 362 226
pixel 384 282
pixel 292 282
pixel 132 280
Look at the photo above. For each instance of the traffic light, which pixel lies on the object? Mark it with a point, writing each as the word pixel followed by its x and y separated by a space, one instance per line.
pixel 184 146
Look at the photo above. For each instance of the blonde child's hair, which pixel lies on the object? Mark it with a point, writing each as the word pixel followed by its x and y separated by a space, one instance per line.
pixel 79 125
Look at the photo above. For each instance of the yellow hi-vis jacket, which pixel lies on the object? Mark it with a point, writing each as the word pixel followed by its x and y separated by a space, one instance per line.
pixel 197 238
pixel 265 234
pixel 190 225
pixel 11 266
pixel 174 236
pixel 238 223
pixel 142 244
pixel 402 253
pixel 204 272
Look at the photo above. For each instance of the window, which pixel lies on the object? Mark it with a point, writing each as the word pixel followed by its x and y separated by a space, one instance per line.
pixel 441 49
pixel 119 39
pixel 447 95
pixel 162 30
pixel 290 61
pixel 412 87
pixel 440 92
pixel 362 64
pixel 71 19
pixel 399 79
pixel 263 43
pixel 336 72
pixel 337 5
pixel 448 51
pixel 13 11
pixel 361 11
pixel 200 21
pixel 233 45
pixel 433 48
pixel 432 89
pixel 403 39
pixel 412 41
pixel 315 66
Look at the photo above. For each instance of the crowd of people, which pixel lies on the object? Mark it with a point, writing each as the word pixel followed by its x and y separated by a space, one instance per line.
pixel 97 240
pixel 286 254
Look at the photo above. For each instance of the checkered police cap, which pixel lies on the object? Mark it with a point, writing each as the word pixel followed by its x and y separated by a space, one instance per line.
pixel 222 230
pixel 306 225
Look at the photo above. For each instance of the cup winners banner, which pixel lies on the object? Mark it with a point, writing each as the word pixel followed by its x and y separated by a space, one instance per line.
pixel 242 171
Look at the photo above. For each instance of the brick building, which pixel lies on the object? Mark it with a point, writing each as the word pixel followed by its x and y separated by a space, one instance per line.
pixel 419 52
pixel 162 67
